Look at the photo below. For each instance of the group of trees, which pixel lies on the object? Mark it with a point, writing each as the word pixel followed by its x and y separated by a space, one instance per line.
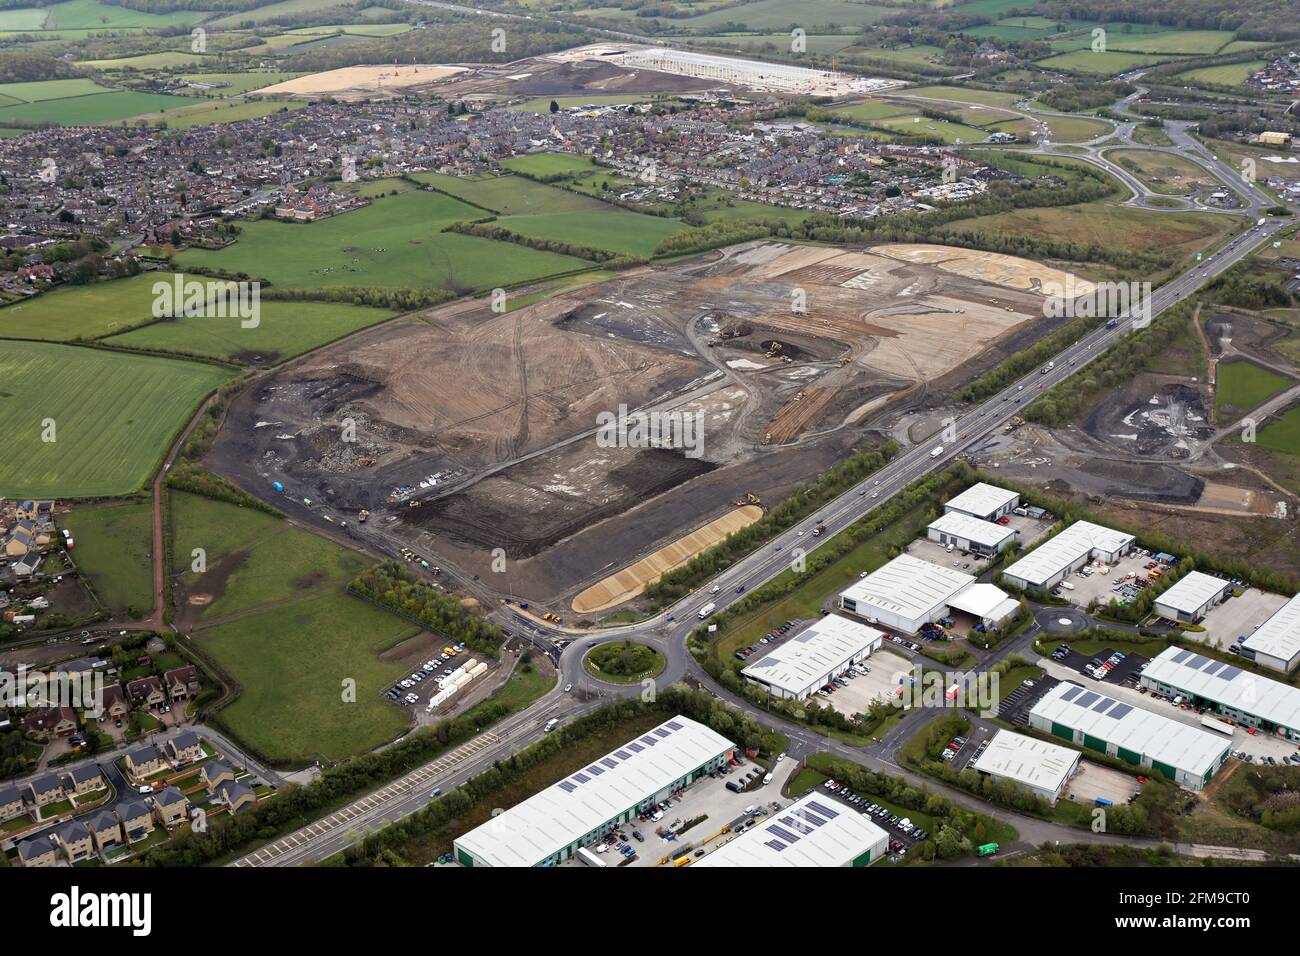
pixel 724 232
pixel 395 587
pixel 486 230
pixel 406 299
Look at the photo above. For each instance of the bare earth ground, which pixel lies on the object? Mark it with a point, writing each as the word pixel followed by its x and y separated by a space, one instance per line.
pixel 487 421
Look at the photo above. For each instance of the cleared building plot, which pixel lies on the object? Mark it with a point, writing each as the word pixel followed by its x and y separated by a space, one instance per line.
pixel 351 82
pixel 1034 764
pixel 1183 754
pixel 1191 596
pixel 984 501
pixel 1069 551
pixel 810 659
pixel 550 827
pixel 814 831
pixel 970 534
pixel 1276 643
pixel 1228 691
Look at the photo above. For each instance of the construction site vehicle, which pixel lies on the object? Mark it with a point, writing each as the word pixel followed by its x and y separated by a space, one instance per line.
pixel 767 438
pixel 413 504
pixel 817 531
pixel 362 516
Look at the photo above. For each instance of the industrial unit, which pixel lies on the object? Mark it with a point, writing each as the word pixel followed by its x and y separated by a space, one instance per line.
pixel 1050 563
pixel 549 827
pixel 970 534
pixel 1191 596
pixel 1184 754
pixel 907 592
pixel 1035 764
pixel 1230 692
pixel 904 593
pixel 814 831
pixel 811 658
pixel 984 501
pixel 1276 642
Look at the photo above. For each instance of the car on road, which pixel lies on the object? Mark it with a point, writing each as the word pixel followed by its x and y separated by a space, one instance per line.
pixel 568 687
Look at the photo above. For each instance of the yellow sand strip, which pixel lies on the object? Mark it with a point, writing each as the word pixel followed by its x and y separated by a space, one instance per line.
pixel 631 581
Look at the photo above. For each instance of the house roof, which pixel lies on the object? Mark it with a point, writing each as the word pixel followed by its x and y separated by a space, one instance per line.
pixel 34 847
pixel 169 796
pixel 101 821
pixel 48 781
pixel 72 830
pixel 131 809
pixel 10 795
pixel 185 740
pixel 146 754
pixel 85 772
pixel 215 768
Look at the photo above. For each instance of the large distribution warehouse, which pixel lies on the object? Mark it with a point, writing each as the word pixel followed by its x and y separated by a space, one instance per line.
pixel 1276 642
pixel 813 831
pixel 1050 563
pixel 809 659
pixel 1231 692
pixel 1183 753
pixel 970 534
pixel 550 826
pixel 983 501
pixel 1191 596
pixel 1035 764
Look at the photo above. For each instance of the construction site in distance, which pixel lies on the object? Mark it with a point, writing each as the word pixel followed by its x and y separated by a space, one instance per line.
pixel 467 433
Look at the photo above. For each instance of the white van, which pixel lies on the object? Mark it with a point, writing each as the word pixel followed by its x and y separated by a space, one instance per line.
pixel 552 724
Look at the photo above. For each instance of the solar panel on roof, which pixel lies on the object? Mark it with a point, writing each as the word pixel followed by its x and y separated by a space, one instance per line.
pixel 622 754
pixel 611 764
pixel 635 748
pixel 661 732
pixel 567 787
pixel 1197 662
pixel 1101 705
pixel 812 818
pixel 806 636
pixel 674 725
pixel 783 833
pixel 1121 710
pixel 1087 699
pixel 1182 656
pixel 796 823
pixel 1070 694
pixel 1230 672
pixel 821 808
pixel 1215 667
pixel 775 845
pixel 581 777
pixel 594 770
pixel 648 740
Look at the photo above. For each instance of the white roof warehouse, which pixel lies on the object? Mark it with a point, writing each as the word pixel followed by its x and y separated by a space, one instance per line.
pixel 813 831
pixel 1048 564
pixel 904 593
pixel 984 501
pixel 1188 598
pixel 1230 691
pixel 812 657
pixel 1276 643
pixel 1181 752
pixel 974 534
pixel 1041 767
pixel 579 810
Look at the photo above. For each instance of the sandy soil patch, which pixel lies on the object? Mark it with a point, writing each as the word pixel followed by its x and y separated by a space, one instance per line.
pixel 360 79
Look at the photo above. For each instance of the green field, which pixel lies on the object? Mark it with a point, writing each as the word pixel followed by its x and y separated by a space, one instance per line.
pixel 113 545
pixel 1076 129
pixel 550 164
pixel 394 242
pixel 15 93
pixel 1162 172
pixel 1241 385
pixel 962 94
pixel 1228 74
pixel 285 329
pixel 113 416
pixel 765 15
pixel 85 312
pixel 88 15
pixel 924 126
pixel 872 110
pixel 271 11
pixel 168 59
pixel 1282 433
pixel 511 195
pixel 608 228
pixel 98 108
pixel 1104 64
pixel 1106 225
pixel 291 663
